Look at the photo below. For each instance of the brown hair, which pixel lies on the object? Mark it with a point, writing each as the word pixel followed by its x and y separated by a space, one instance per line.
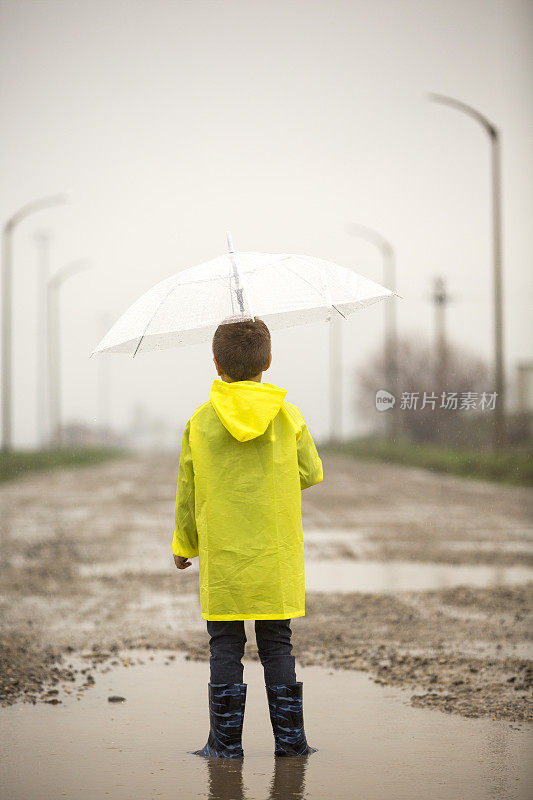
pixel 242 349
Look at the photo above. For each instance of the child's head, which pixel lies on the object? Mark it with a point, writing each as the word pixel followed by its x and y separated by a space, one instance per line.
pixel 241 350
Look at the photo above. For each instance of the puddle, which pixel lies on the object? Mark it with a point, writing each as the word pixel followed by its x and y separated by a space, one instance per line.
pixel 133 564
pixel 368 737
pixel 345 575
pixel 337 542
pixel 520 547
pixel 337 559
pixel 353 575
pixel 355 571
pixel 143 555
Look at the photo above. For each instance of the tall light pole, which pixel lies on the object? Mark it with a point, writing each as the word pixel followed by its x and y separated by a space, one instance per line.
pixel 7 303
pixel 494 137
pixel 54 345
pixel 391 334
pixel 42 240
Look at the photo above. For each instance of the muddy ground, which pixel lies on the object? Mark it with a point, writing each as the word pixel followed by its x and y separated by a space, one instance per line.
pixel 87 569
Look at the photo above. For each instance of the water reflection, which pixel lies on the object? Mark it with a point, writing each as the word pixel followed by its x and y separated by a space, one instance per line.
pixel 288 779
pixel 225 779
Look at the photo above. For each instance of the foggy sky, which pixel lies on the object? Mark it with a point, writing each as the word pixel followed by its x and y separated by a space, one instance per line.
pixel 172 122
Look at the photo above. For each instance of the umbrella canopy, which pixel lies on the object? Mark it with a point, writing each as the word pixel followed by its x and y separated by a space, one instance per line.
pixel 280 288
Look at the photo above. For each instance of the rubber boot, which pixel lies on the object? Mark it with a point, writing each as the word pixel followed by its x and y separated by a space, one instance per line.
pixel 226 717
pixel 285 703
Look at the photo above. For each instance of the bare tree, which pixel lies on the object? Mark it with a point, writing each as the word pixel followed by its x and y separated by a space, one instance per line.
pixel 427 419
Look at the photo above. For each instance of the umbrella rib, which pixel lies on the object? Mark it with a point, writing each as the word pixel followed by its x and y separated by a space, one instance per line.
pixel 165 298
pixel 226 277
pixel 209 278
pixel 314 287
pixel 340 312
pixel 305 281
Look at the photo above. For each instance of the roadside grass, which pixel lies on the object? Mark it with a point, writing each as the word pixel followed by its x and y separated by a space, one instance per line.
pixel 509 466
pixel 16 465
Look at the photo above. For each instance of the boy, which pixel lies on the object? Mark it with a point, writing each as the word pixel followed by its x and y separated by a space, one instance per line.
pixel 246 455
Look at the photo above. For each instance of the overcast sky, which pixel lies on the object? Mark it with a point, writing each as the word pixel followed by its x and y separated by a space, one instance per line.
pixel 171 122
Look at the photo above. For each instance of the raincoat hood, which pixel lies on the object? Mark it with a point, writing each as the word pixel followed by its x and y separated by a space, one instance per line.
pixel 246 408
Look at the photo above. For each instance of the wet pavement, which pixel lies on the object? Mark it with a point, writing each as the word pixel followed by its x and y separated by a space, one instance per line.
pixel 371 743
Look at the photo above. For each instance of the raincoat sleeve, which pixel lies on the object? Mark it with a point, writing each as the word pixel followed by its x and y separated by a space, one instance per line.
pixel 185 541
pixel 309 463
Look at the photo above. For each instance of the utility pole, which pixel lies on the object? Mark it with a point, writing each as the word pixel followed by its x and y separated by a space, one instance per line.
pixel 440 298
pixel 42 240
pixel 496 201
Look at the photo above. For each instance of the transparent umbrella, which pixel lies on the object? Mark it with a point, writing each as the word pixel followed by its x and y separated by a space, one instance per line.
pixel 280 288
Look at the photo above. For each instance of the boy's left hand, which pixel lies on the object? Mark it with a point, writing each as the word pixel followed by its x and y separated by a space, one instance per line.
pixel 182 562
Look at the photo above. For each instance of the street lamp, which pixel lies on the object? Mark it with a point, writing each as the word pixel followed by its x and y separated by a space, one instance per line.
pixel 54 343
pixel 494 136
pixel 7 302
pixel 391 336
pixel 42 240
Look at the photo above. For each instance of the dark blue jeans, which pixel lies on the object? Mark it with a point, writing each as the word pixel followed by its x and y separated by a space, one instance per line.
pixel 227 640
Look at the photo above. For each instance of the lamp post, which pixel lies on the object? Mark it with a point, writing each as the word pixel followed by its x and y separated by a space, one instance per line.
pixel 494 137
pixel 54 344
pixel 42 240
pixel 391 335
pixel 7 302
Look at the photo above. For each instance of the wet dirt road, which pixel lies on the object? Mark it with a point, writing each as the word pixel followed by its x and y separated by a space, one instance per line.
pixel 416 583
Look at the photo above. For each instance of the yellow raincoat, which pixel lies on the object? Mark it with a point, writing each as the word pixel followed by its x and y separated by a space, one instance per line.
pixel 245 457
